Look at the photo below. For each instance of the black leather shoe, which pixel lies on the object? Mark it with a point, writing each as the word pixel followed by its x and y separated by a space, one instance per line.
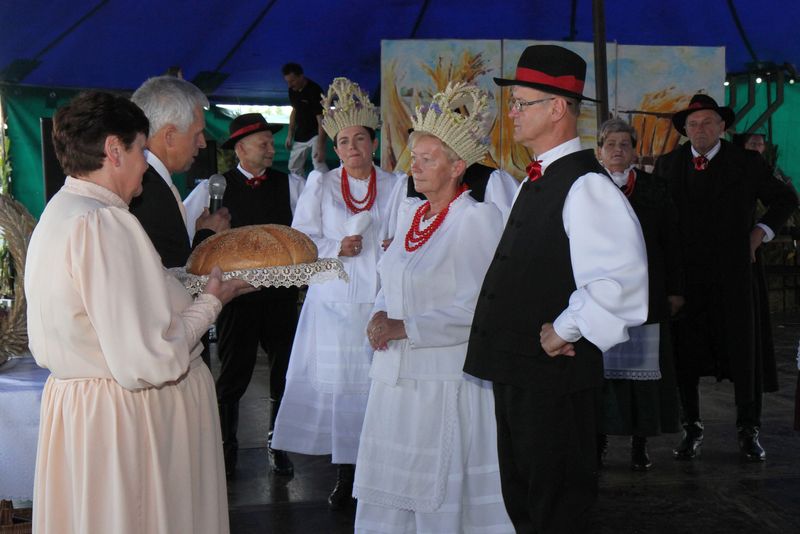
pixel 689 447
pixel 602 449
pixel 749 445
pixel 640 460
pixel 279 463
pixel 342 495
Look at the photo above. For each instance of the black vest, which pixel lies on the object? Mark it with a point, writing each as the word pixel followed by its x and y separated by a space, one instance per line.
pixel 266 204
pixel 528 284
pixel 269 203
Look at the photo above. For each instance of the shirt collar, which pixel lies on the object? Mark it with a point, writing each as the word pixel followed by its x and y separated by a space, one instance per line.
pixel 247 174
pixel 557 152
pixel 620 178
pixel 710 154
pixel 160 168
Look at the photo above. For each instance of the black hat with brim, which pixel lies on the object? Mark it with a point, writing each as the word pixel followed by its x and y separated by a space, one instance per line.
pixel 248 124
pixel 700 102
pixel 552 69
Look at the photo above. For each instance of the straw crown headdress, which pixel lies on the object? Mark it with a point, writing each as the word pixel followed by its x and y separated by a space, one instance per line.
pixel 345 105
pixel 456 116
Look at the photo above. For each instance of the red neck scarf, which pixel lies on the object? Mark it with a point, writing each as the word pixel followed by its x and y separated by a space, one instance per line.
pixel 630 185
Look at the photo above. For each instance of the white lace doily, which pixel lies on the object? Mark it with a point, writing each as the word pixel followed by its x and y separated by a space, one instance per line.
pixel 322 270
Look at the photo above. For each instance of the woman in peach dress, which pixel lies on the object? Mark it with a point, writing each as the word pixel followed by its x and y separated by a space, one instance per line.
pixel 129 433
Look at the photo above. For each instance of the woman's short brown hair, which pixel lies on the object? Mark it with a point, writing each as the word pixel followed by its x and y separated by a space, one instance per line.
pixel 615 125
pixel 80 129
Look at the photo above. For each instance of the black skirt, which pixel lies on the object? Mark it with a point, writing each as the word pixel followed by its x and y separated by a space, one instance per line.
pixel 644 407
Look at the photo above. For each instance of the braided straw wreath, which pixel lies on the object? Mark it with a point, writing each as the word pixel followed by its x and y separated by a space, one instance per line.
pixel 16 224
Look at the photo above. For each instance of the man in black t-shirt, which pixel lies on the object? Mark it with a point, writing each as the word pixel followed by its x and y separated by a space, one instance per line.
pixel 305 131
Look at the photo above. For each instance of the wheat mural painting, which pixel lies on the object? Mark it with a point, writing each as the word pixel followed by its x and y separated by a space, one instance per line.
pixel 646 85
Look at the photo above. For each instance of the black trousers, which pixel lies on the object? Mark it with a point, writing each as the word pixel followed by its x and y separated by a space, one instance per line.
pixel 241 327
pixel 748 413
pixel 548 457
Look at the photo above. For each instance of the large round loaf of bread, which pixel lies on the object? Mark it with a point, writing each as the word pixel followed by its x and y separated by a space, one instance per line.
pixel 252 247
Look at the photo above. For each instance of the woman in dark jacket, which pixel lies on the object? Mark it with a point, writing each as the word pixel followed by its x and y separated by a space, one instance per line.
pixel 640 396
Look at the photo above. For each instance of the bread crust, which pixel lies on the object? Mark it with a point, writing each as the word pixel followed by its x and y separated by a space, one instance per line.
pixel 252 247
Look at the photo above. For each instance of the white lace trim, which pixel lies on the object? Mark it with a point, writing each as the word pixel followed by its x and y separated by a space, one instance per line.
pixel 392 500
pixel 629 374
pixel 322 270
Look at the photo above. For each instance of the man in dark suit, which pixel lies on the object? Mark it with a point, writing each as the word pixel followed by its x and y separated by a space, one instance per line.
pixel 174 108
pixel 255 194
pixel 568 278
pixel 724 330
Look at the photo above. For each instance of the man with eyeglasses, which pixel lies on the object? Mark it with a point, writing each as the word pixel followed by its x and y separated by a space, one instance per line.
pixel 568 278
pixel 724 328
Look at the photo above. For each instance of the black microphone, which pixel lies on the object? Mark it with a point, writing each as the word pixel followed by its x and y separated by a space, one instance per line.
pixel 216 189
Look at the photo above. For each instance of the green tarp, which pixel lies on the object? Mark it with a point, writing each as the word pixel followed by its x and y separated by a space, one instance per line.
pixel 25 106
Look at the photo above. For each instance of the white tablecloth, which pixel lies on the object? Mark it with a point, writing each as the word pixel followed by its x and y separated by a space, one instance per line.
pixel 21 383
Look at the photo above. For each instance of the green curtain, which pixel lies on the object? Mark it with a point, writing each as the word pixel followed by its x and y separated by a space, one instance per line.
pixel 785 124
pixel 24 107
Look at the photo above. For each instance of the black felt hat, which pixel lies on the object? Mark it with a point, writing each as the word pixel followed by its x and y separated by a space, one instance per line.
pixel 248 124
pixel 552 69
pixel 699 102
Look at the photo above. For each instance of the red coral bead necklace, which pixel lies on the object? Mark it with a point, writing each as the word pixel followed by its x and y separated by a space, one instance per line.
pixel 365 204
pixel 416 237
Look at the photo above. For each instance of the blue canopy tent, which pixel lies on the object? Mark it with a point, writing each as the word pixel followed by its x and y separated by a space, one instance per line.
pixel 234 50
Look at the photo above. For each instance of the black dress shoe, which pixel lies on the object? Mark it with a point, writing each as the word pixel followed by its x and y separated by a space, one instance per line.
pixel 342 495
pixel 689 447
pixel 279 463
pixel 640 460
pixel 749 445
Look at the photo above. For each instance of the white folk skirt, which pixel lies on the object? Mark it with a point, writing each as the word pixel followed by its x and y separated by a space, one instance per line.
pixel 428 459
pixel 327 382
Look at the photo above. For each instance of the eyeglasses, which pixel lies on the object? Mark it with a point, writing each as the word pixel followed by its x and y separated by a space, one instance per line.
pixel 517 105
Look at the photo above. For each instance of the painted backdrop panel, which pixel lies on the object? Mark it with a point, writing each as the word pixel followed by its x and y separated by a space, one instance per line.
pixel 646 85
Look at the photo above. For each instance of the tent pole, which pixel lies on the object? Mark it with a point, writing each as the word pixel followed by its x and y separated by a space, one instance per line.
pixel 600 63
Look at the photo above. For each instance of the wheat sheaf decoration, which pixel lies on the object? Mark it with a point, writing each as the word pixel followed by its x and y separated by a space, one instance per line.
pixel 16 225
pixel 456 116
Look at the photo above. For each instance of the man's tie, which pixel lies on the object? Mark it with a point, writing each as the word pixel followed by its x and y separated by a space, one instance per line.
pixel 179 201
pixel 534 170
pixel 700 163
pixel 255 181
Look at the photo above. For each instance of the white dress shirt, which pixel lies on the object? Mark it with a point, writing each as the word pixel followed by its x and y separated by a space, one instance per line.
pixel 608 255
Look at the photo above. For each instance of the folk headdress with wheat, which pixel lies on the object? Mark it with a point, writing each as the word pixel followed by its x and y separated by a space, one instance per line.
pixel 345 105
pixel 457 117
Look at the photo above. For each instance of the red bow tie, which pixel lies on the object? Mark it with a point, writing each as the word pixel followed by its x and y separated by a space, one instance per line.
pixel 255 181
pixel 700 163
pixel 534 170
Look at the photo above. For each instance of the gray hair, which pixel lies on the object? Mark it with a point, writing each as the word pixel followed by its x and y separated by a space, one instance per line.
pixel 169 100
pixel 451 154
pixel 615 125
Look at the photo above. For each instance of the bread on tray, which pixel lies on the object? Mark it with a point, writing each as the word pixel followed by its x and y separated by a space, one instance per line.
pixel 252 247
